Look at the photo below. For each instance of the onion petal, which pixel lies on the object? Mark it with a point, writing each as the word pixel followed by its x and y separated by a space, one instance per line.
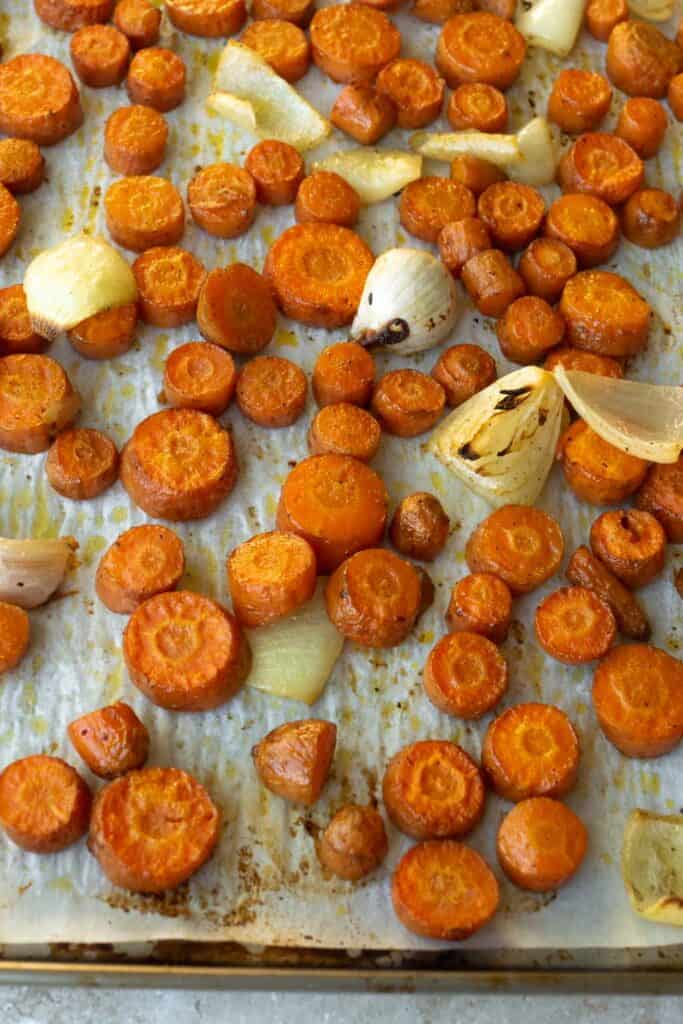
pixel 376 174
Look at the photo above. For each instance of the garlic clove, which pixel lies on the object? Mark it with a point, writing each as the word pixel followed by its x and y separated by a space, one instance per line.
pixel 409 303
pixel 376 174
pixel 31 570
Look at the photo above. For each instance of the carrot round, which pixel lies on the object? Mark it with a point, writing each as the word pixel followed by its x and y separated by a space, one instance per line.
pixel 459 240
pixel 408 402
pixel 579 100
pixel 270 576
pixel 574 625
pixel 293 761
pixel 480 47
pixel 603 15
pixel 465 675
pixel 271 391
pixel 201 376
pixel 276 167
pixel 211 19
pixel 16 331
pixel 478 106
pixel 528 329
pixel 22 167
pixel 15 632
pixel 638 700
pixel 631 543
pixel 474 173
pixel 641 60
pixel 337 503
pixel 545 266
pixel 326 196
pixel 601 165
pixel 185 652
pixel 156 78
pixel 344 372
pixel 522 545
pixel 577 359
pixel 139 20
pixel 587 225
pixel 363 113
pixel 10 216
pixel 492 282
pixel 143 561
pixel 662 495
pixel 531 750
pixel 100 55
pixel 44 804
pixel 415 90
pixel 541 844
pixel 480 603
pixel 107 334
pixel 111 740
pixel 353 42
pixel 373 598
pixel 651 218
pixel 282 44
pixel 37 400
pixel 674 95
pixel 429 204
pixel 69 15
pixel 596 470
pixel 222 200
pixel 179 464
pixel 419 526
pixel 82 463
pixel 437 12
pixel 513 213
pixel 38 99
pixel 144 211
pixel 168 280
pixel 236 309
pixel 642 122
pixel 433 790
pixel 354 843
pixel 152 829
pixel 444 890
pixel 462 371
pixel 135 140
pixel 297 11
pixel 346 430
pixel 605 314
pixel 317 272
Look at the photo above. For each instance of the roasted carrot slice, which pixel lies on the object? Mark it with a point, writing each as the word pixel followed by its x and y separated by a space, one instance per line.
pixel 408 402
pixel 602 165
pixel 415 90
pixel 37 400
pixel 433 790
pixel 631 543
pixel 282 44
pixel 373 598
pixel 460 240
pixel 651 218
pixel 106 334
pixel 100 55
pixel 270 576
pixel 44 804
pixel 596 470
pixel 144 211
pixel 577 359
pixel 22 167
pixel 168 280
pixel 10 216
pixel 354 843
pixel 211 19
pixel 139 20
pixel 605 314
pixel 513 213
pixel 15 632
pixel 344 372
pixel 326 196
pixel 142 562
pixel 579 100
pixel 638 700
pixel 546 265
pixel 135 140
pixel 293 761
pixel 111 740
pixel 201 376
pixel 587 225
pixel 179 464
pixel 318 271
pixel 522 545
pixel 662 495
pixel 492 282
pixel 465 675
pixel 541 844
pixel 463 370
pixel 574 625
pixel 674 95
pixel 337 503
pixel 480 603
pixel 429 204
pixel 531 750
pixel 478 106
pixel 271 391
pixel 363 113
pixel 16 332
pixel 444 890
pixel 156 78
pixel 38 99
pixel 153 829
pixel 585 570
pixel 474 173
pixel 528 329
pixel 185 652
pixel 437 12
pixel 641 60
pixel 353 42
pixel 480 47
pixel 82 463
pixel 345 430
pixel 276 167
pixel 236 309
pixel 603 15
pixel 419 526
pixel 69 15
pixel 222 200
pixel 297 11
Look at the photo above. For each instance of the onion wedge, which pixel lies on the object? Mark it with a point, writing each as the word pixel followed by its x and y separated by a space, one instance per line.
pixel 376 174
pixel 652 10
pixel 75 280
pixel 501 442
pixel 31 570
pixel 539 154
pixel 645 420
pixel 552 24
pixel 294 657
pixel 652 865
pixel 248 92
pixel 501 150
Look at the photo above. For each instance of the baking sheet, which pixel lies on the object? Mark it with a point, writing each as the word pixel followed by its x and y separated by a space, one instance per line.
pixel 264 885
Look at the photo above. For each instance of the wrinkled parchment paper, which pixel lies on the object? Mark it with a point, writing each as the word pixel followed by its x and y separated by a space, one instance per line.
pixel 264 884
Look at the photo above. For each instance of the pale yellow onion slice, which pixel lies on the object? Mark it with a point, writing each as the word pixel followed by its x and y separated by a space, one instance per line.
pixel 31 570
pixel 294 657
pixel 74 280
pixel 652 865
pixel 501 150
pixel 501 442
pixel 248 92
pixel 376 174
pixel 645 420
pixel 539 154
pixel 652 10
pixel 551 24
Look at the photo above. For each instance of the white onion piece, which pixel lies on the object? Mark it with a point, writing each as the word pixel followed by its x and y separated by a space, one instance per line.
pixel 501 150
pixel 539 153
pixel 31 570
pixel 652 865
pixel 552 24
pixel 376 174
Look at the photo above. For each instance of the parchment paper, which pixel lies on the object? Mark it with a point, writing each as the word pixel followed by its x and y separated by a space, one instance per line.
pixel 264 884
